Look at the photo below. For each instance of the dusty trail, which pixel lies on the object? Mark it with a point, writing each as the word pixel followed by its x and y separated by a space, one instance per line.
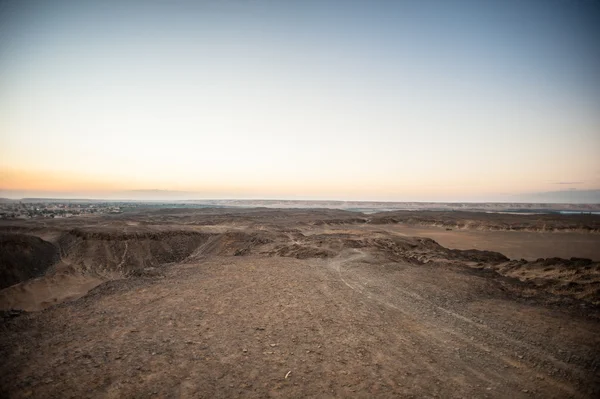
pixel 338 262
pixel 443 326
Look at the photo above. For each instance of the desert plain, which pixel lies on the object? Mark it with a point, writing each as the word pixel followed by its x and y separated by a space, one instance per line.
pixel 221 302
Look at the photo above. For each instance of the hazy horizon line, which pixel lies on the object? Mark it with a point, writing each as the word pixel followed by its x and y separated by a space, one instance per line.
pixel 292 200
pixel 568 196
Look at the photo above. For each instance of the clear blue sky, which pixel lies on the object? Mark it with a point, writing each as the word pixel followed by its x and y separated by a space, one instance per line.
pixel 374 100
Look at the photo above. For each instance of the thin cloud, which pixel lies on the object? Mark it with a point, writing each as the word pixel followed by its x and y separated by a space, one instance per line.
pixel 569 182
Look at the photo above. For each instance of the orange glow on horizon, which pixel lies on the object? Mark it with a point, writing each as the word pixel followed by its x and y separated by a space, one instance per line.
pixel 20 179
pixel 23 183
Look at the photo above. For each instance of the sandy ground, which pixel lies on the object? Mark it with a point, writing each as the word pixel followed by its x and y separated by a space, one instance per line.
pixel 284 305
pixel 42 292
pixel 513 244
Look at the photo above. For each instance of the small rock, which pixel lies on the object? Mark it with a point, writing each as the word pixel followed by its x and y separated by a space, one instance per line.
pixel 244 350
pixel 525 390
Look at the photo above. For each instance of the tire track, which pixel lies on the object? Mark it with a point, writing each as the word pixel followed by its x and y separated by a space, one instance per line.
pixel 458 326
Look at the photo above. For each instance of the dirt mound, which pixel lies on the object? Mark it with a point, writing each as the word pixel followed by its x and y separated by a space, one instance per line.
pixel 300 251
pixel 575 278
pixel 84 258
pixel 395 248
pixel 476 255
pixel 23 257
pixel 301 246
pixel 101 253
pixel 424 250
pixel 242 243
pixel 42 292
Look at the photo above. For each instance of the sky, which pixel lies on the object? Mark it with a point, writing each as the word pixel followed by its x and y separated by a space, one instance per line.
pixel 352 100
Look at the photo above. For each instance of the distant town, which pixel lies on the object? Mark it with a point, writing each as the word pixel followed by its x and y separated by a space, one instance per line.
pixel 52 209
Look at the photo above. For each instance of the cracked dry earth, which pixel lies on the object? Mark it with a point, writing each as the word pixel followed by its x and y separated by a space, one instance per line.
pixel 355 322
